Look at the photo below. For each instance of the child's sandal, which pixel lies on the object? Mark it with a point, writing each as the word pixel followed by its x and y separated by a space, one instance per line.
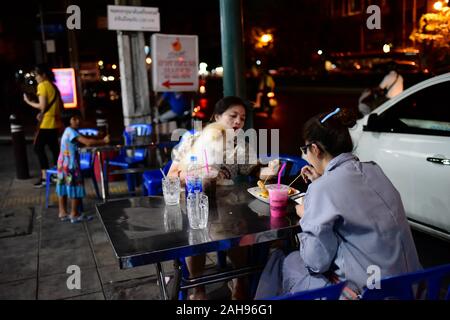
pixel 64 218
pixel 81 218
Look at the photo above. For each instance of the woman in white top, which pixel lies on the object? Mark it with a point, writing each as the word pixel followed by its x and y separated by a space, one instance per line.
pixel 229 115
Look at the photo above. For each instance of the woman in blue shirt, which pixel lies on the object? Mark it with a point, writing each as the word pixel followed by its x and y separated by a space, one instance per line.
pixel 352 219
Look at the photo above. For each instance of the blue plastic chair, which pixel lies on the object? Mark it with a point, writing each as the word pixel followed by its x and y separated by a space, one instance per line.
pixel 401 287
pixel 152 181
pixel 296 164
pixel 48 176
pixel 87 160
pixel 139 155
pixel 332 292
pixel 293 165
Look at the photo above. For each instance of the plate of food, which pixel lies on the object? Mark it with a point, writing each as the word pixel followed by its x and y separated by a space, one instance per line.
pixel 261 192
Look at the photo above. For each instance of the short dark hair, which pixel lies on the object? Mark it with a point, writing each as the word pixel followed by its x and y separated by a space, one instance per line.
pixel 226 103
pixel 45 70
pixel 333 134
pixel 68 114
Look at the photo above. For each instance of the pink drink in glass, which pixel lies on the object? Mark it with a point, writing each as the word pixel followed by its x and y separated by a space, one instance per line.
pixel 278 200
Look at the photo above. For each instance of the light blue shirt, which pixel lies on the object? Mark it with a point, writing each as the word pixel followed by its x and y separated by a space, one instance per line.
pixel 354 218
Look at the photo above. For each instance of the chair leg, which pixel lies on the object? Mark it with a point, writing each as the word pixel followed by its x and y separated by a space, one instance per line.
pixel 144 190
pixel 258 256
pixel 222 259
pixel 47 188
pixel 94 183
pixel 105 177
pixel 182 294
pixel 131 181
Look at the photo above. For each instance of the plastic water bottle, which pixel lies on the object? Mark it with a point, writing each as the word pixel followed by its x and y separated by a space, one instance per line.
pixel 193 178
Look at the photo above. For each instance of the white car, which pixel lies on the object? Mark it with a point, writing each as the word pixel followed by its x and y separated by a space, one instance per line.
pixel 409 137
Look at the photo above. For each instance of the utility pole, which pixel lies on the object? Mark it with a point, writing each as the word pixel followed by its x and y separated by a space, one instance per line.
pixel 133 74
pixel 74 62
pixel 44 42
pixel 231 23
pixel 414 18
pixel 403 24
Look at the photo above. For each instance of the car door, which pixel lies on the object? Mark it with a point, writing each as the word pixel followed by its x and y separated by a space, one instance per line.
pixel 411 143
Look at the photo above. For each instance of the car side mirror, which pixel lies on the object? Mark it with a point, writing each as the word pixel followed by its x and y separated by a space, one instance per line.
pixel 374 123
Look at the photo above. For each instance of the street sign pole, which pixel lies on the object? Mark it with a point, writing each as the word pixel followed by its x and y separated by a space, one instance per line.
pixel 133 74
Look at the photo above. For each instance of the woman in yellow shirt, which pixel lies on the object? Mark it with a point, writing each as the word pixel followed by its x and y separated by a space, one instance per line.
pixel 48 117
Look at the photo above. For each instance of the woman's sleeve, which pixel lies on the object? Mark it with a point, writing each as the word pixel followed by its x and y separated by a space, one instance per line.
pixel 183 148
pixel 318 241
pixel 251 161
pixel 41 90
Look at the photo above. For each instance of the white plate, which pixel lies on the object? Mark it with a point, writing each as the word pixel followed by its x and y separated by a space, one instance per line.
pixel 256 192
pixel 300 199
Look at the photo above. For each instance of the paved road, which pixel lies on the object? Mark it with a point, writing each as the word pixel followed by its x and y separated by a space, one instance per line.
pixel 297 105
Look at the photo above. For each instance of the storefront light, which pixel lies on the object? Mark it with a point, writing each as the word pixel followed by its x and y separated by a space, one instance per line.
pixel 438 5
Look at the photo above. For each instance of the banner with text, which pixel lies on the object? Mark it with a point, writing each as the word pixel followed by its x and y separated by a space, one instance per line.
pixel 129 18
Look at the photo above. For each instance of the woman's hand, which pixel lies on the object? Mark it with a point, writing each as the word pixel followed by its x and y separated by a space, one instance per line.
pixel 309 173
pixel 300 210
pixel 224 174
pixel 39 116
pixel 270 171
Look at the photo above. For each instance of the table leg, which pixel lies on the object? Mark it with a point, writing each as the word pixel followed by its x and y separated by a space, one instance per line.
pixel 161 281
pixel 175 294
pixel 102 175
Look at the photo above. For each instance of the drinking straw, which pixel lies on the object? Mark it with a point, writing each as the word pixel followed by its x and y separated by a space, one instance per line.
pixel 280 173
pixel 206 161
pixel 295 179
pixel 162 171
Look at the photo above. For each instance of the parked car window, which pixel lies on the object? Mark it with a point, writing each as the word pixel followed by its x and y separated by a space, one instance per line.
pixel 424 112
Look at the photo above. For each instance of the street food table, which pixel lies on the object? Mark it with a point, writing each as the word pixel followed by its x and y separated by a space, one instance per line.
pixel 143 231
pixel 99 152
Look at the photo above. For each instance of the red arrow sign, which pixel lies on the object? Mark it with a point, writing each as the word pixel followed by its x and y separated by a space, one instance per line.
pixel 167 84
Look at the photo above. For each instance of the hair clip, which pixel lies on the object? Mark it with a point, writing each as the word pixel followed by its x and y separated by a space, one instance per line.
pixel 328 116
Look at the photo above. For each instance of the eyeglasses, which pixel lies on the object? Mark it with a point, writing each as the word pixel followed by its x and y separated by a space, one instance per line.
pixel 305 148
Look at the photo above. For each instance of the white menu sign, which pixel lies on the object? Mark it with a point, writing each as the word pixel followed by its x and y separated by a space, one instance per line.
pixel 129 18
pixel 175 62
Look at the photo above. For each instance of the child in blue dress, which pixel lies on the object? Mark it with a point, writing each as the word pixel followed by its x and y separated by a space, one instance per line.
pixel 70 181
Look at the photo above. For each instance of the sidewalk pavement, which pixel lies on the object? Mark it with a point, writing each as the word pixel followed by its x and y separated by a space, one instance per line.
pixel 36 248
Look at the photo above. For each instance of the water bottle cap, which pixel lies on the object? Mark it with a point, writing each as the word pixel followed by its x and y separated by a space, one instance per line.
pixel 193 159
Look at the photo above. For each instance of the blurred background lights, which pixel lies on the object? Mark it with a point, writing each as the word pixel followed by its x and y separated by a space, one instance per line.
pixel 438 5
pixel 266 38
pixel 203 69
